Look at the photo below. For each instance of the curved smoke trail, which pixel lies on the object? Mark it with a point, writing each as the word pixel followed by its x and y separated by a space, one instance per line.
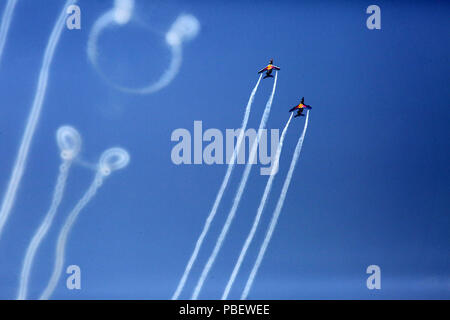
pixel 262 204
pixel 62 238
pixel 69 142
pixel 33 119
pixel 219 196
pixel 112 159
pixel 185 27
pixel 42 230
pixel 6 22
pixel 276 213
pixel 238 196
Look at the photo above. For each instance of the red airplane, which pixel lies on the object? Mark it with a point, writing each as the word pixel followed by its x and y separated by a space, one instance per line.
pixel 269 69
pixel 300 107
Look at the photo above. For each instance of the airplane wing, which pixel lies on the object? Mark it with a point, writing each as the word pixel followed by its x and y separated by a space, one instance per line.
pixel 277 68
pixel 262 70
pixel 293 109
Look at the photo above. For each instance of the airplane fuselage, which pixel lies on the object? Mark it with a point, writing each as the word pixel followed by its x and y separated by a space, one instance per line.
pixel 300 108
pixel 269 70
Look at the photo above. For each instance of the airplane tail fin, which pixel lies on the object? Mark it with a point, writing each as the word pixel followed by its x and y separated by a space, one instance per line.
pixel 268 76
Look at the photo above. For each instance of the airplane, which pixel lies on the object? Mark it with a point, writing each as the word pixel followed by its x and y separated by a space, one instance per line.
pixel 269 69
pixel 300 107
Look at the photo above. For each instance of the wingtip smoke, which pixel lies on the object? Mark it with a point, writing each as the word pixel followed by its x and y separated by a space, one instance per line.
pixel 238 196
pixel 219 196
pixel 276 213
pixel 259 212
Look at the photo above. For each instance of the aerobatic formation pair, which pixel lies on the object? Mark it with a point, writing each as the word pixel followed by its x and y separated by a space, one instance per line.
pixel 269 69
pixel 301 106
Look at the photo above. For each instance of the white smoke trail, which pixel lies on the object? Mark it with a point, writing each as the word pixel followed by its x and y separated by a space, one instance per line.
pixel 219 196
pixel 238 196
pixel 276 213
pixel 111 160
pixel 62 238
pixel 184 28
pixel 108 19
pixel 6 22
pixel 69 142
pixel 42 230
pixel 33 119
pixel 262 204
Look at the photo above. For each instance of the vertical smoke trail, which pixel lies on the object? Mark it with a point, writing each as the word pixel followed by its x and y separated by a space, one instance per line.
pixel 42 230
pixel 110 160
pixel 238 196
pixel 33 118
pixel 62 238
pixel 69 142
pixel 276 213
pixel 6 22
pixel 219 196
pixel 262 204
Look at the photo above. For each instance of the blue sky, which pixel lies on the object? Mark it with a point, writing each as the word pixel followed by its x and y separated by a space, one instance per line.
pixel 371 185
